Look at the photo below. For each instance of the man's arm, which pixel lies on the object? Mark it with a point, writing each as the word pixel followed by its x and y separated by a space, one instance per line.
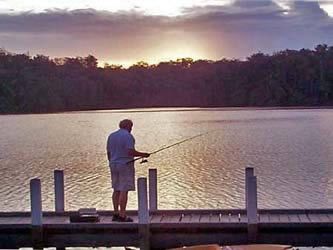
pixel 109 156
pixel 134 153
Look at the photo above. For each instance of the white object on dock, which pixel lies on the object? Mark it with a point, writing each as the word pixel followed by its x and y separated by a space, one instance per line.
pixel 87 211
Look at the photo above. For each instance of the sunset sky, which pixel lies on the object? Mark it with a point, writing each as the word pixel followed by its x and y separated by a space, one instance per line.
pixel 125 32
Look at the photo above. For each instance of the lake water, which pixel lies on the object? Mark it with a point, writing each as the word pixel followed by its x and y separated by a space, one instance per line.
pixel 290 150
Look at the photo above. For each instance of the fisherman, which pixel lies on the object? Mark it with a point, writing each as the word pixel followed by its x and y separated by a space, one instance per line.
pixel 121 152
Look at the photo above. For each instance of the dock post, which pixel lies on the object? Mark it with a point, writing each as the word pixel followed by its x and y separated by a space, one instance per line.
pixel 153 190
pixel 249 172
pixel 252 209
pixel 59 194
pixel 36 213
pixel 59 191
pixel 143 215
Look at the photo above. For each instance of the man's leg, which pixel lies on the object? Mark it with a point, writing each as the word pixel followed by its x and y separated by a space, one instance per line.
pixel 123 203
pixel 116 201
pixel 127 183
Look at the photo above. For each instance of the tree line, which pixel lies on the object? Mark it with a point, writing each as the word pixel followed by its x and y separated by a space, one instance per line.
pixel 285 78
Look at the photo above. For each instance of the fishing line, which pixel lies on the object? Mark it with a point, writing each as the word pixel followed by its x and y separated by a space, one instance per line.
pixel 144 160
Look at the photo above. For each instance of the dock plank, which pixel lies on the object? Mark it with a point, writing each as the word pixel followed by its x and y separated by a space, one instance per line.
pixel 156 218
pixel 186 218
pixel 171 218
pixel 330 216
pixel 56 220
pixel 264 218
pixel 205 218
pixel 199 226
pixel 324 218
pixel 284 218
pixel 175 218
pixel 233 218
pixel 294 218
pixel 225 218
pixel 243 218
pixel 15 220
pixel 304 218
pixel 195 218
pixel 166 218
pixel 274 218
pixel 106 219
pixel 215 218
pixel 316 218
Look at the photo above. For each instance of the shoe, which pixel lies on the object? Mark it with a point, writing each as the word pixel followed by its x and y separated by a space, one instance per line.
pixel 115 217
pixel 124 219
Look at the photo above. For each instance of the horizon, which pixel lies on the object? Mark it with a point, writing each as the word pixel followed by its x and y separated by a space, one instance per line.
pixel 127 66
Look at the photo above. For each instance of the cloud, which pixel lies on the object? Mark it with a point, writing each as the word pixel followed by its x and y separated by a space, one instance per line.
pixel 236 30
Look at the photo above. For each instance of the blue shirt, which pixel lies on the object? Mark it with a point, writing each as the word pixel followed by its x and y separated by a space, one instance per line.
pixel 118 144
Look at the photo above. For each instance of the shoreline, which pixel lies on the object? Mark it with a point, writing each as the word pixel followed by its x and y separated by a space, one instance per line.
pixel 172 109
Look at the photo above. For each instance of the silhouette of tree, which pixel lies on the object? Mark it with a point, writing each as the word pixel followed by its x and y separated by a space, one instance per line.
pixel 289 77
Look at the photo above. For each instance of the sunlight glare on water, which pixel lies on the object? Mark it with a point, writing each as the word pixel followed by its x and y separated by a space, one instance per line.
pixel 291 151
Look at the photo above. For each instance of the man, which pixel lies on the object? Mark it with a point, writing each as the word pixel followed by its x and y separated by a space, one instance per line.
pixel 121 152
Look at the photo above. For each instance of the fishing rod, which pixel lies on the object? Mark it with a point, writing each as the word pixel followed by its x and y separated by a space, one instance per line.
pixel 166 147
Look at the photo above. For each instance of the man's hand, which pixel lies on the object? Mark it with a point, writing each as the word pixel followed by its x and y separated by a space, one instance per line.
pixel 145 155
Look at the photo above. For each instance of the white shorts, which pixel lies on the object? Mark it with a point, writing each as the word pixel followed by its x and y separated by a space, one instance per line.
pixel 122 177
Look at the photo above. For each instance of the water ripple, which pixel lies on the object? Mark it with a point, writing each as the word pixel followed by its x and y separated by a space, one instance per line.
pixel 291 152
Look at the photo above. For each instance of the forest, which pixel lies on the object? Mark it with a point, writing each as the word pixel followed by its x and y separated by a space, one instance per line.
pixel 40 84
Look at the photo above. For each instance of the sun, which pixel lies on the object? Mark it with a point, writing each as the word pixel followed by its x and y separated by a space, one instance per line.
pixel 177 53
pixel 327 7
pixel 166 52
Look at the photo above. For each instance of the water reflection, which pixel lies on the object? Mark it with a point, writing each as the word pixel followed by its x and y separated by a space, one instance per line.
pixel 291 151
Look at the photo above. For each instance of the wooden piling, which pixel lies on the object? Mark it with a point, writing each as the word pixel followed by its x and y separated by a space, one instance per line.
pixel 59 194
pixel 249 172
pixel 152 190
pixel 59 191
pixel 36 213
pixel 252 209
pixel 144 241
pixel 36 202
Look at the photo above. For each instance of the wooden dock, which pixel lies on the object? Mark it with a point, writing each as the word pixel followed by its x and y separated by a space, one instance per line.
pixel 160 229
